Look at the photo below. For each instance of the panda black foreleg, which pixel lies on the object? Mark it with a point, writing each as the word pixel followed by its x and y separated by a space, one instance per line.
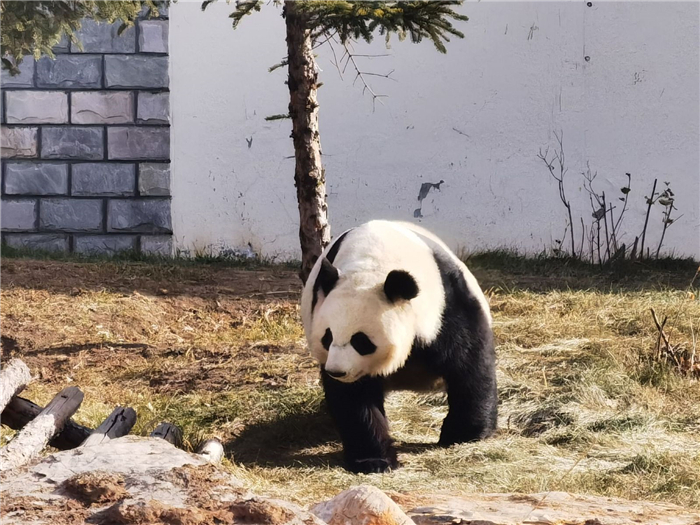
pixel 358 412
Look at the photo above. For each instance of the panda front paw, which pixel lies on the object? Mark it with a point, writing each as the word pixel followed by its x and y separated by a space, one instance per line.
pixel 372 465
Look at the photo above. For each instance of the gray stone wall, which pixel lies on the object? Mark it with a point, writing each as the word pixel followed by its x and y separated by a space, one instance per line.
pixel 86 144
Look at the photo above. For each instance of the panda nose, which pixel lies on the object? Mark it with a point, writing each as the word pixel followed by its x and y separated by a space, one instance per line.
pixel 336 375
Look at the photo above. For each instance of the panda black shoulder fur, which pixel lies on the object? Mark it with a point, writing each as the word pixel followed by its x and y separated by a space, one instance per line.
pixel 389 306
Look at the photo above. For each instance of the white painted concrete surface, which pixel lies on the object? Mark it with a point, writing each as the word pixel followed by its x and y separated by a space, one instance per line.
pixel 475 118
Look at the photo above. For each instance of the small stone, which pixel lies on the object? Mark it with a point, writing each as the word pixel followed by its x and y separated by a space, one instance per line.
pixel 139 215
pixel 364 505
pixel 72 143
pixel 45 242
pixel 36 107
pixel 36 178
pixel 18 215
pixel 100 37
pixel 154 179
pixel 154 108
pixel 127 143
pixel 136 71
pixel 104 244
pixel 102 107
pixel 19 142
pixel 153 36
pixel 69 71
pixel 71 214
pixel 25 78
pixel 160 245
pixel 104 179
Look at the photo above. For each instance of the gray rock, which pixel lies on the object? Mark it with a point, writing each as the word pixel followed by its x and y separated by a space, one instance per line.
pixel 154 108
pixel 36 107
pixel 19 142
pixel 104 244
pixel 36 178
pixel 102 107
pixel 75 215
pixel 25 77
pixel 136 71
pixel 97 37
pixel 72 143
pixel 154 179
pixel 139 215
pixel 103 178
pixel 153 36
pixel 18 215
pixel 45 242
pixel 160 245
pixel 63 45
pixel 128 143
pixel 69 71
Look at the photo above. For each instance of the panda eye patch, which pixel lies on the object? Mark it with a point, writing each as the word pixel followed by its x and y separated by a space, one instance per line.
pixel 361 343
pixel 327 339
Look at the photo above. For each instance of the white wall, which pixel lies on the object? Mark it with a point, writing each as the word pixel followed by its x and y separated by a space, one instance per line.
pixel 517 76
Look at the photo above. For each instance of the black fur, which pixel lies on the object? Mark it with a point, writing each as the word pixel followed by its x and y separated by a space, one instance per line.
pixel 328 274
pixel 362 344
pixel 462 354
pixel 400 285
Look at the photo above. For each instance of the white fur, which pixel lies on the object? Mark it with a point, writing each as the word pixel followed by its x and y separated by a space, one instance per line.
pixel 357 302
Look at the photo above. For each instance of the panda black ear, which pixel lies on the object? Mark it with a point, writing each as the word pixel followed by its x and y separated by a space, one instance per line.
pixel 327 276
pixel 400 285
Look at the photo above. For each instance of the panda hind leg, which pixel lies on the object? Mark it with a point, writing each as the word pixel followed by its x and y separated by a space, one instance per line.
pixel 358 412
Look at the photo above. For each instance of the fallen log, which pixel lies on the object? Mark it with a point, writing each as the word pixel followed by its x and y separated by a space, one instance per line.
pixel 31 440
pixel 212 450
pixel 169 433
pixel 118 424
pixel 13 378
pixel 19 412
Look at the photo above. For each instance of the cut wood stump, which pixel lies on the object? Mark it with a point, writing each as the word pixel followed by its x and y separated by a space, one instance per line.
pixel 32 439
pixel 212 450
pixel 13 378
pixel 118 424
pixel 19 412
pixel 169 433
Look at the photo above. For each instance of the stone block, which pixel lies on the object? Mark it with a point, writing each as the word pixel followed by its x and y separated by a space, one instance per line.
pixel 138 143
pixel 104 244
pixel 63 45
pixel 25 77
pixel 154 179
pixel 36 107
pixel 103 178
pixel 19 142
pixel 139 215
pixel 18 215
pixel 69 71
pixel 101 37
pixel 153 36
pixel 102 107
pixel 163 11
pixel 45 242
pixel 75 215
pixel 154 108
pixel 136 71
pixel 36 178
pixel 160 245
pixel 72 143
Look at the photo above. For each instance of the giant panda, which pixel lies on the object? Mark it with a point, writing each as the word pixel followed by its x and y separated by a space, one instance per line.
pixel 388 306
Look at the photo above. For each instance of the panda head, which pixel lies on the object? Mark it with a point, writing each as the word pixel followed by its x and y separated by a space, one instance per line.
pixel 363 328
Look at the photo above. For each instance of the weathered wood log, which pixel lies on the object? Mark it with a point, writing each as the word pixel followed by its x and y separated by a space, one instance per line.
pixel 32 439
pixel 169 433
pixel 21 411
pixel 118 424
pixel 13 378
pixel 212 450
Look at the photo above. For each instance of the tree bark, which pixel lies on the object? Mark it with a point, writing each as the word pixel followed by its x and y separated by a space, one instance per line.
pixel 118 424
pixel 309 176
pixel 13 378
pixel 32 439
pixel 21 411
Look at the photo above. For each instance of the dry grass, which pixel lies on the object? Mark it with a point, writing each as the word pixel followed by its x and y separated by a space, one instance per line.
pixel 220 351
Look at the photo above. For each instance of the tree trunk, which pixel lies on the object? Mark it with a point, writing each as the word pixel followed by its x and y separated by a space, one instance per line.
pixel 13 378
pixel 309 176
pixel 118 424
